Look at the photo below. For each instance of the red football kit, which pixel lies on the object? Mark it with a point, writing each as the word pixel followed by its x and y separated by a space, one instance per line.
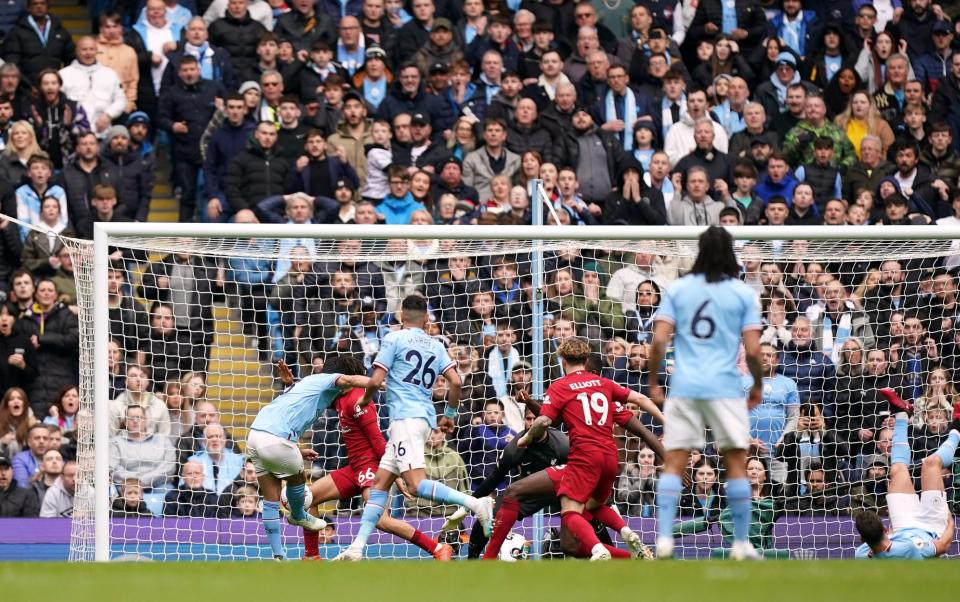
pixel 590 405
pixel 364 442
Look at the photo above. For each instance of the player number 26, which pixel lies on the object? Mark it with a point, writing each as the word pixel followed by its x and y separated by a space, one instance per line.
pixel 597 402
pixel 422 374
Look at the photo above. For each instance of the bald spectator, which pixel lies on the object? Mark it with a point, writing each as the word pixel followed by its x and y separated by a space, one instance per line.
pixel 58 500
pixel 95 87
pixel 525 132
pixel 220 465
pixel 215 63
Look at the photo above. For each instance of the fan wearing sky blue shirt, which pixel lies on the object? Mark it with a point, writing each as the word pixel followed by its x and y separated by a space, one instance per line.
pixel 919 527
pixel 410 362
pixel 779 408
pixel 272 443
pixel 706 313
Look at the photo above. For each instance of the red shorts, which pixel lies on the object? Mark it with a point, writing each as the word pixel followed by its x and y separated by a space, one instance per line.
pixel 351 481
pixel 582 481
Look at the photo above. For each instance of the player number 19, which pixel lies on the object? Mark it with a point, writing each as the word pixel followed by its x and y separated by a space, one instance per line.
pixel 598 403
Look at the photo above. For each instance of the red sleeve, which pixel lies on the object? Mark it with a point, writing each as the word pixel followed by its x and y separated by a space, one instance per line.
pixel 553 402
pixel 619 394
pixel 370 425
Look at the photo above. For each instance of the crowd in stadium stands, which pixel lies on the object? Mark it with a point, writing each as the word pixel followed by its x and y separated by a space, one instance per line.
pixel 653 112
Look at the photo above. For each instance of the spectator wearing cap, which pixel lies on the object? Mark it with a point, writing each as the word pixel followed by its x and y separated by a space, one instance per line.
pixel 680 138
pixel 57 119
pixel 25 47
pixel 933 66
pixel 440 47
pixel 257 172
pixel 93 86
pixel 772 94
pixel 526 133
pixel 227 142
pixel 423 152
pixel 353 134
pixel 415 34
pixel 16 501
pixel 138 124
pixel 114 53
pixel 497 37
pixel 260 11
pixel 798 144
pixel 237 32
pixel 303 26
pixel 185 109
pixel 345 193
pixel 742 21
pixel 135 182
pixel 316 171
pixel 407 95
pixel 493 158
pixel 450 181
pixel 373 78
pixel 797 28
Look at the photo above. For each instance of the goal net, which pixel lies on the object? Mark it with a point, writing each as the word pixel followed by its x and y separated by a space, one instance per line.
pixel 195 325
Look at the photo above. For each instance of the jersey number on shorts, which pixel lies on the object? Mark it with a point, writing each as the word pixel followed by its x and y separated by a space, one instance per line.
pixel 422 374
pixel 597 402
pixel 702 327
pixel 364 477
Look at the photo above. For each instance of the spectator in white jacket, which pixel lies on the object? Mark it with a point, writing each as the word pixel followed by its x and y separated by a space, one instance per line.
pixel 137 454
pixel 94 86
pixel 680 141
pixel 58 500
pixel 139 393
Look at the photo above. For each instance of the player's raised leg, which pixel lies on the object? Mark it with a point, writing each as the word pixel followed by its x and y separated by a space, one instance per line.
pixel 537 485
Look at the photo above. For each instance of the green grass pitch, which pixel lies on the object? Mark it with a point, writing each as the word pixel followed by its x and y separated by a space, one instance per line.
pixel 715 581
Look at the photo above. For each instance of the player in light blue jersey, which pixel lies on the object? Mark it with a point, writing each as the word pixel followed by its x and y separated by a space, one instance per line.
pixel 411 361
pixel 706 313
pixel 919 527
pixel 272 442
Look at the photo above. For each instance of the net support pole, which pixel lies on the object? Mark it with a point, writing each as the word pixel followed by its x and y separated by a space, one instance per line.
pixel 536 387
pixel 101 388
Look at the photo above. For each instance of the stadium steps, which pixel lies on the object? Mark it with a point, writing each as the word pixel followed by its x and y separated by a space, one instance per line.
pixel 163 205
pixel 75 18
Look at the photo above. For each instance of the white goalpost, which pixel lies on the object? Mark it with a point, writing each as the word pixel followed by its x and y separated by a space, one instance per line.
pixel 218 304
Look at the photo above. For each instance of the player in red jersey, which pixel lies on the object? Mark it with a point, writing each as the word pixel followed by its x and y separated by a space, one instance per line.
pixel 590 405
pixel 365 445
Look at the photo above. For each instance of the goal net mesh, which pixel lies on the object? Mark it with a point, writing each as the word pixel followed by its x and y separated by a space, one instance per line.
pixel 197 325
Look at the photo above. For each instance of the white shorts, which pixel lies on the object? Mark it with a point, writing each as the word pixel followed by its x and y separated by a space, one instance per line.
pixel 928 512
pixel 685 421
pixel 274 455
pixel 405 442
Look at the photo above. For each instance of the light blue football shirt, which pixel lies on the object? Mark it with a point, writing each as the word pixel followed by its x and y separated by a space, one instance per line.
pixel 413 361
pixel 768 419
pixel 708 319
pixel 910 544
pixel 294 410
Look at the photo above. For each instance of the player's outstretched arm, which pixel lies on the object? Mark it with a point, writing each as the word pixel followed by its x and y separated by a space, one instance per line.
pixel 537 429
pixel 662 332
pixel 633 425
pixel 373 385
pixel 284 373
pixel 446 422
pixel 646 405
pixel 353 381
pixel 943 543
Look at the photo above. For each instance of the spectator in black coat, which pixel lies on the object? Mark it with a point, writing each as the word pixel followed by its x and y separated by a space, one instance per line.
pixel 57 344
pixel 128 168
pixel 226 143
pixel 15 501
pixel 525 132
pixel 407 95
pixel 258 172
pixel 430 151
pixel 11 247
pixel 81 174
pixel 317 172
pixel 190 498
pixel 633 202
pixel 238 34
pixel 215 63
pixel 185 110
pixel 24 48
pixel 303 26
pixel 18 358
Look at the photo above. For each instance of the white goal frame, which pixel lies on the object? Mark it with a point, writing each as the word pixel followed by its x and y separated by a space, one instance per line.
pixel 105 233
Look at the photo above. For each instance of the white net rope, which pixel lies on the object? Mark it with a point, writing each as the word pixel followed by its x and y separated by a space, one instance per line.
pixel 197 324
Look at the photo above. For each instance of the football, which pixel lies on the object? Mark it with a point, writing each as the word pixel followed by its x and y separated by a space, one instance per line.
pixel 307 498
pixel 514 548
